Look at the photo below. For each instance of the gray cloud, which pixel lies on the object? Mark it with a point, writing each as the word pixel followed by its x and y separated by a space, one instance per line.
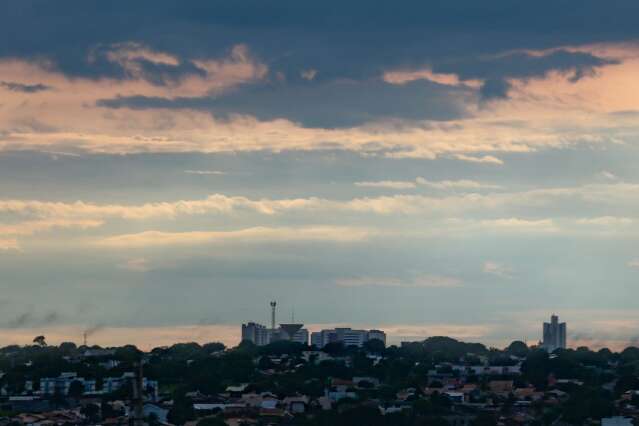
pixel 24 88
pixel 341 43
pixel 326 104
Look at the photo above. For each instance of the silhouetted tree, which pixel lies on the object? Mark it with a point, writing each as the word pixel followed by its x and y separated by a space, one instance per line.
pixel 40 341
pixel 76 389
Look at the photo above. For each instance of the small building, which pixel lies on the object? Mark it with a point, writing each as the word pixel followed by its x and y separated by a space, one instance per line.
pixel 60 385
pixel 296 404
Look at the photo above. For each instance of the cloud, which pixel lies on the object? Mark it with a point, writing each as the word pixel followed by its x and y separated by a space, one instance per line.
pixel 24 88
pixel 389 184
pixel 606 221
pixel 498 269
pixel 634 264
pixel 145 85
pixel 455 227
pixel 186 77
pixel 204 172
pixel 492 75
pixel 253 111
pixel 420 281
pixel 138 264
pixel 336 104
pixel 29 228
pixel 608 175
pixel 9 244
pixel 494 89
pixel 450 79
pixel 32 227
pixel 462 184
pixel 214 204
pixel 456 184
pixel 594 196
pixel 486 159
pixel 288 33
pixel 244 236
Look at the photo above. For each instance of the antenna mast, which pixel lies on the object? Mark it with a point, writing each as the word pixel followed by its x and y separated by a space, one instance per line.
pixel 273 305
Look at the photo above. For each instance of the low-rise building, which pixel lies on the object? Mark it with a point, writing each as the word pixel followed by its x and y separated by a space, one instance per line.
pixel 60 385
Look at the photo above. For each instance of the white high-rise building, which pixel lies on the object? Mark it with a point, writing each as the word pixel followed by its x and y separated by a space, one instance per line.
pixel 256 333
pixel 347 336
pixel 554 334
pixel 301 336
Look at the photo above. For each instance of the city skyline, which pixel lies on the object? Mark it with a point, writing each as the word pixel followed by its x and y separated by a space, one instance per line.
pixel 439 168
pixel 553 336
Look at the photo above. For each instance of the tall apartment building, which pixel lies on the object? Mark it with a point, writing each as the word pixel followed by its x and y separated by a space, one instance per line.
pixel 347 336
pixel 301 336
pixel 554 334
pixel 256 333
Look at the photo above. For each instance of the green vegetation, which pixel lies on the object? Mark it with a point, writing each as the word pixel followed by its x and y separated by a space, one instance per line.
pixel 404 385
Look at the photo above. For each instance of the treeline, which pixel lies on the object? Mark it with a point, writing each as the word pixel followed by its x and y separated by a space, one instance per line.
pixel 210 367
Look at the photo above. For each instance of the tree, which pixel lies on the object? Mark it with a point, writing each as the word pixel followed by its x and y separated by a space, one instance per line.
pixel 365 384
pixel 484 419
pixel 91 412
pixel 518 348
pixel 334 348
pixel 213 347
pixel 153 420
pixel 108 411
pixel 127 353
pixel 68 348
pixel 211 421
pixel 40 341
pixel 374 346
pixel 182 410
pixel 76 389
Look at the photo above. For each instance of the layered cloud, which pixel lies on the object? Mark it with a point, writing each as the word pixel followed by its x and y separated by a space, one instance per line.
pixel 9 244
pixel 250 235
pixel 498 269
pixel 419 281
pixel 456 209
pixel 462 184
pixel 304 151
pixel 165 102
pixel 596 196
pixel 32 227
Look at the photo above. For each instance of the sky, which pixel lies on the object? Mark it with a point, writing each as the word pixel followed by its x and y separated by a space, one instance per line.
pixel 461 168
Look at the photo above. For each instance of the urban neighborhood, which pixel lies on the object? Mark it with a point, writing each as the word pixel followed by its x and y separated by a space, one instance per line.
pixel 342 376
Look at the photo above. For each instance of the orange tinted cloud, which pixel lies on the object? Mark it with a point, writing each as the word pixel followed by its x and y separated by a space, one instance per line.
pixel 549 112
